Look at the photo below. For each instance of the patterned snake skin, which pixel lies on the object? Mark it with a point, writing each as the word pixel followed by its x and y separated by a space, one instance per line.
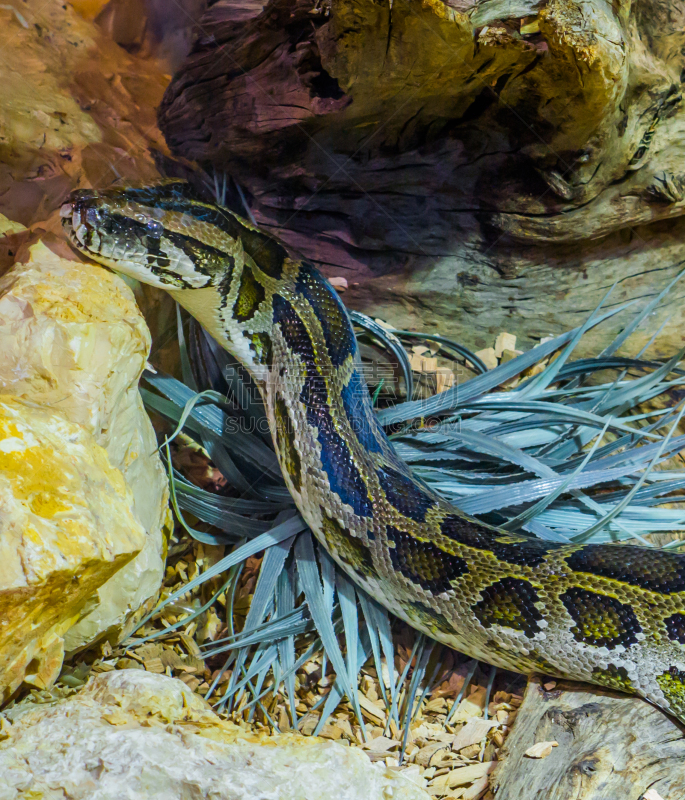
pixel 608 614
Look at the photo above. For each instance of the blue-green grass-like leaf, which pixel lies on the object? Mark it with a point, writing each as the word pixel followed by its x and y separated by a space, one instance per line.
pixel 531 457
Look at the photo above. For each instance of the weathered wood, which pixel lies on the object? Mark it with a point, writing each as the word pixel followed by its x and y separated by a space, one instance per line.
pixel 611 747
pixel 473 166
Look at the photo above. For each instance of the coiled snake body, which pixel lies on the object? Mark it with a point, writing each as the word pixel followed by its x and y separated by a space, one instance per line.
pixel 607 614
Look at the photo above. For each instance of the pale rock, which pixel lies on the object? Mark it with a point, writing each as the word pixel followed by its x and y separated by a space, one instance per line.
pixel 67 525
pixel 130 733
pixel 73 340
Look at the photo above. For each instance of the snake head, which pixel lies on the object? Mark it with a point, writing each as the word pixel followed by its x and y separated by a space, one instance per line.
pixel 156 234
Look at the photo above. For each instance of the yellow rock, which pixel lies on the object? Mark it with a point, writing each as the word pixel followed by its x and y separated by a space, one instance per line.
pixel 36 108
pixel 74 341
pixel 7 226
pixel 89 9
pixel 67 525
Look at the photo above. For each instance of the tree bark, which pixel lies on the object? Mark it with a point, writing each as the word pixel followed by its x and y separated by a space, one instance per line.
pixel 470 167
pixel 610 747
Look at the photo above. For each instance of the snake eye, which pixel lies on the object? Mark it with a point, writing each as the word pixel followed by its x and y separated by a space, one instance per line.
pixel 154 228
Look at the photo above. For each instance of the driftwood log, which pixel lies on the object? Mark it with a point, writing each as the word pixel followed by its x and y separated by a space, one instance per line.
pixel 610 747
pixel 471 166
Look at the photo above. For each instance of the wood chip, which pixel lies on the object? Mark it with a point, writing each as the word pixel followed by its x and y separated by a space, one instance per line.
pixel 422 363
pixel 190 681
pixel 283 720
pixel 510 355
pixel 344 725
pixel 371 708
pixel 103 667
pixel 444 380
pixel 505 341
pixel 549 686
pixel 465 775
pixel 474 731
pixel 425 754
pixel 541 749
pixel 169 658
pixel 477 789
pixel 331 731
pixel 471 751
pixel 652 794
pixel 154 665
pixel 439 704
pixel 471 706
pixel 488 357
pixel 308 723
pixel 339 283
pixel 381 744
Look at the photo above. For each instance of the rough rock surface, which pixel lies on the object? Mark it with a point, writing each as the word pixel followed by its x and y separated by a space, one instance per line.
pixel 130 733
pixel 75 342
pixel 67 525
pixel 75 109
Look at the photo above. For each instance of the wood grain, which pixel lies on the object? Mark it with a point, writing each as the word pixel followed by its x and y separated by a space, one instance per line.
pixel 470 167
pixel 611 747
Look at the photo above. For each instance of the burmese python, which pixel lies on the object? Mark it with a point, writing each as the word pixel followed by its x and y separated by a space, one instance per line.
pixel 608 614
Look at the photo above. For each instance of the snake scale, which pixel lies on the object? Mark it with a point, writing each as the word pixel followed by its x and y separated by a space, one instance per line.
pixel 608 614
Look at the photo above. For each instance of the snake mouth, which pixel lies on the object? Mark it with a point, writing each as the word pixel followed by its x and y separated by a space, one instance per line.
pixel 80 217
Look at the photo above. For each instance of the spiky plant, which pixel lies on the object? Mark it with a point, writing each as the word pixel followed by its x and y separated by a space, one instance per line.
pixel 564 450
